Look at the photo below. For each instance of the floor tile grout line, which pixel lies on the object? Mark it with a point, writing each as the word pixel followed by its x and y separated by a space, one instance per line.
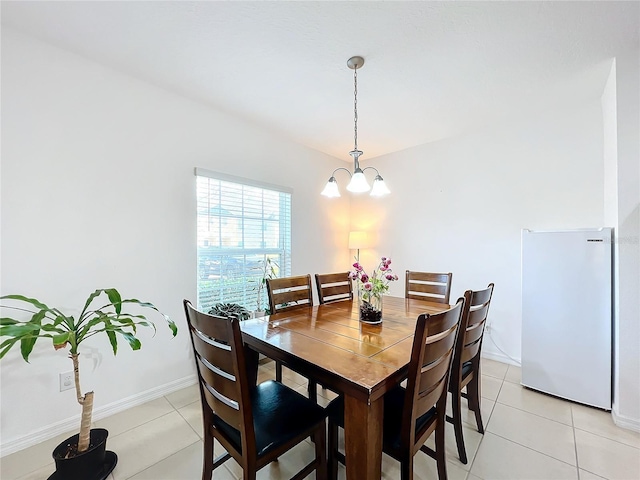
pixel 575 442
pixel 187 422
pixel 532 449
pixel 143 423
pixel 154 464
pixel 606 438
pixel 485 431
pixel 533 413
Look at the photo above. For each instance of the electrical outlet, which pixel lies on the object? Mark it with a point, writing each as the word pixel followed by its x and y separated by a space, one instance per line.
pixel 66 381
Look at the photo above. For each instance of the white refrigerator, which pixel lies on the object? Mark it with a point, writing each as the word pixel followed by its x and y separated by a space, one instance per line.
pixel 566 314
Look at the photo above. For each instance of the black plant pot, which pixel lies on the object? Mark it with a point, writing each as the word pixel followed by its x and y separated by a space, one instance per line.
pixel 94 464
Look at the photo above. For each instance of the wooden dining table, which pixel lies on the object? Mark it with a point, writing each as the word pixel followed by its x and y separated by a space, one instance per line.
pixel 329 344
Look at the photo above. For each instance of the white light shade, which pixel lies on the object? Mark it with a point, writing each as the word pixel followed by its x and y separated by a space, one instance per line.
pixel 331 189
pixel 358 240
pixel 358 183
pixel 379 187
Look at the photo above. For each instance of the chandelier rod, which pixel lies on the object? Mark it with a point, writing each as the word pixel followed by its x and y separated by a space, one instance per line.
pixel 355 108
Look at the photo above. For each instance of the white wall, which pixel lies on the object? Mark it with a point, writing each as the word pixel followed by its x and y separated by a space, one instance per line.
pixel 459 205
pixel 98 190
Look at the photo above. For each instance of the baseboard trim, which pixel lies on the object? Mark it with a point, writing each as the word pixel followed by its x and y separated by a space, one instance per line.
pixel 71 424
pixel 625 422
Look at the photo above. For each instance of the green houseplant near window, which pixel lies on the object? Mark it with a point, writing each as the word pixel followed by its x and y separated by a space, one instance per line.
pixel 267 268
pixel 67 331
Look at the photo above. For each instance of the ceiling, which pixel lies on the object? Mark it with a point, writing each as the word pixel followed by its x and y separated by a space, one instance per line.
pixel 432 69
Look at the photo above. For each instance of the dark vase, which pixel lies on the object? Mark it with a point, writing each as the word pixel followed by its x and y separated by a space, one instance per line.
pixel 96 463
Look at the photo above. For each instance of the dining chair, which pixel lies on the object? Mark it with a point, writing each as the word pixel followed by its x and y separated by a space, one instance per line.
pixel 465 371
pixel 255 424
pixel 286 294
pixel 413 413
pixel 434 287
pixel 333 287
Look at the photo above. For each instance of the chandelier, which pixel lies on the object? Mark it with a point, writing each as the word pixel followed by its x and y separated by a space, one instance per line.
pixel 358 183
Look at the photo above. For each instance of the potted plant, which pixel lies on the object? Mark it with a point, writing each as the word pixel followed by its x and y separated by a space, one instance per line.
pixel 230 310
pixel 83 456
pixel 267 268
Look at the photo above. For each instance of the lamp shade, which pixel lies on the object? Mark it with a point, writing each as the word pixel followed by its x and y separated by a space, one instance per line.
pixel 379 187
pixel 358 240
pixel 331 189
pixel 358 183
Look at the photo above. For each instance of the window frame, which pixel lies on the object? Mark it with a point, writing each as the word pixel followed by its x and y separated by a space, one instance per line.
pixel 245 296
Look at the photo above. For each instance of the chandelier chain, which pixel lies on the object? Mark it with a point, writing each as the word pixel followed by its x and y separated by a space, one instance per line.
pixel 355 108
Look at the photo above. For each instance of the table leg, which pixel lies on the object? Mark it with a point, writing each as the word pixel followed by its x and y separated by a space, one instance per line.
pixel 363 438
pixel 251 361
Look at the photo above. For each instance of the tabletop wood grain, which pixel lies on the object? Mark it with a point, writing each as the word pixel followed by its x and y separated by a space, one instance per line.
pixel 330 345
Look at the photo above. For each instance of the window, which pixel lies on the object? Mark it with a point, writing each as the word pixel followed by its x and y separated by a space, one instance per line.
pixel 241 224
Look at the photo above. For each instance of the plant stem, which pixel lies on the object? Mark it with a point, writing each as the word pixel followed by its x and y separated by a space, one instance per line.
pixel 87 407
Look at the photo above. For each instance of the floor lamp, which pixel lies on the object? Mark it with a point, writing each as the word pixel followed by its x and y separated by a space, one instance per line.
pixel 358 240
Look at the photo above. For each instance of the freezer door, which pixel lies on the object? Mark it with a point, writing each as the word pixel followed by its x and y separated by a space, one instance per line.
pixel 566 314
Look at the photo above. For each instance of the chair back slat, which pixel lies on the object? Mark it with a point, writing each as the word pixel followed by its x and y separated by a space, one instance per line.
pixel 480 297
pixel 430 366
pixel 222 375
pixel 433 373
pixel 474 334
pixel 333 287
pixel 212 329
pixel 223 383
pixel 223 406
pixel 434 287
pixel 428 288
pixel 470 351
pixel 473 322
pixel 478 314
pixel 289 292
pixel 216 352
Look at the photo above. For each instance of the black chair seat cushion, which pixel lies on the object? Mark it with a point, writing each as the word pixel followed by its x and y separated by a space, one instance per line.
pixel 279 415
pixel 393 410
pixel 467 367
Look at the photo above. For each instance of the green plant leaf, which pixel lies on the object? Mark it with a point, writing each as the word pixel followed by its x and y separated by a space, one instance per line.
pixel 6 346
pixel 27 343
pixel 134 343
pixel 26 346
pixel 36 303
pixel 18 330
pixel 91 298
pixel 171 323
pixel 92 323
pixel 113 341
pixel 64 330
pixel 62 339
pixel 51 328
pixel 115 299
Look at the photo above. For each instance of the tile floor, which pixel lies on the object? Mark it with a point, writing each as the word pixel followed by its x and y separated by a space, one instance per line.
pixel 528 436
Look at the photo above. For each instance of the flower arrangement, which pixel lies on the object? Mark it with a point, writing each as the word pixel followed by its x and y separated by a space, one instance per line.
pixel 371 288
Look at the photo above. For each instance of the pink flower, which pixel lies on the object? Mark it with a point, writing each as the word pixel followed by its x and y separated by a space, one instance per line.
pixel 353 275
pixel 388 276
pixel 364 277
pixel 383 268
pixel 395 277
pixel 368 286
pixel 384 259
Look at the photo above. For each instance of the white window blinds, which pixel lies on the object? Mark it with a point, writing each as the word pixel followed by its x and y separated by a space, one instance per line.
pixel 241 224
